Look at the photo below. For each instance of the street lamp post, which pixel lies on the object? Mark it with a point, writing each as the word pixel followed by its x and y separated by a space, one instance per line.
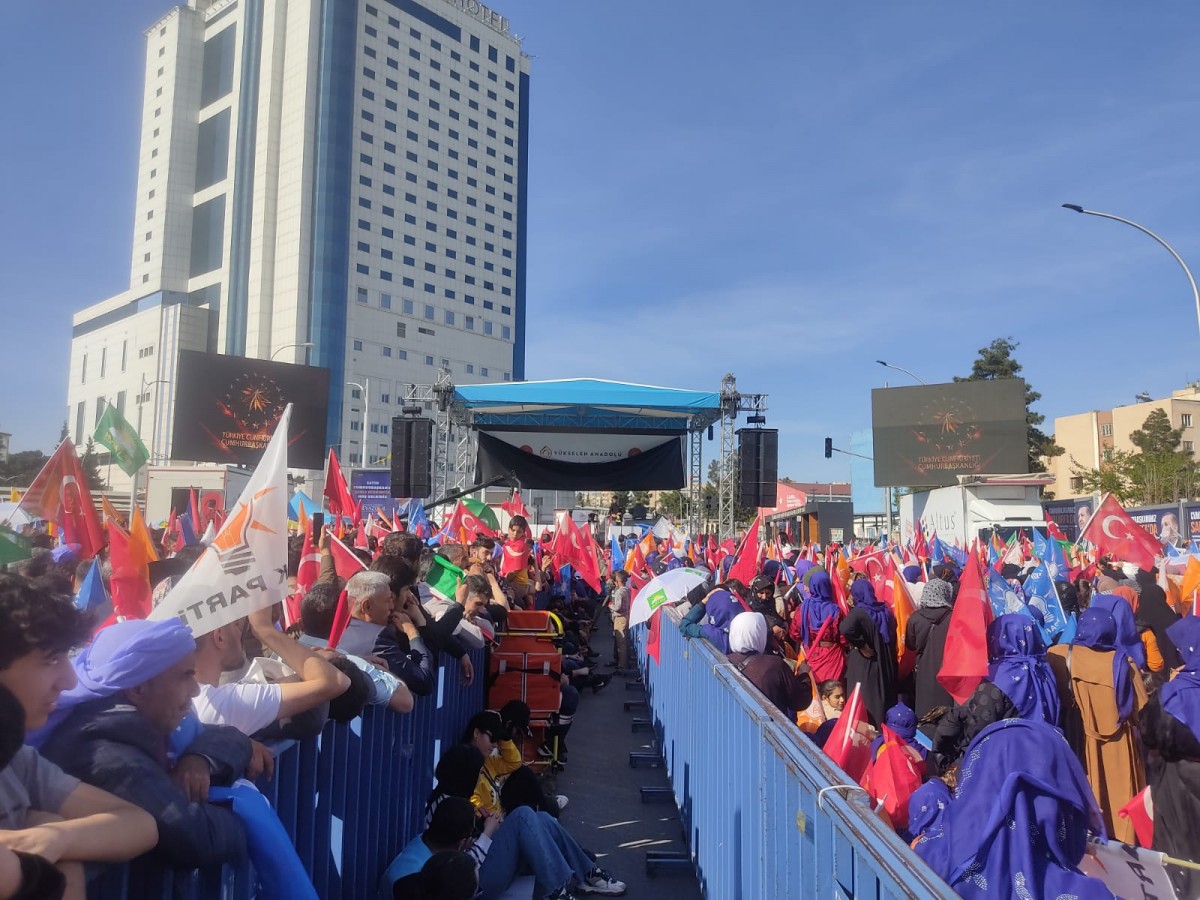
pixel 146 383
pixel 905 371
pixel 306 345
pixel 1179 259
pixel 365 388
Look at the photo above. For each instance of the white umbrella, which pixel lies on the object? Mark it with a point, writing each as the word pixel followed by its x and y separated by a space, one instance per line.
pixel 668 588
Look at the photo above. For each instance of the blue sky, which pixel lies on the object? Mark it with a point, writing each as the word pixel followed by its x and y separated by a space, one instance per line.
pixel 785 191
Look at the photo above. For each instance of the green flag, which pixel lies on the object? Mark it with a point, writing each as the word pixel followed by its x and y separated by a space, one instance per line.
pixel 443 578
pixel 115 433
pixel 13 547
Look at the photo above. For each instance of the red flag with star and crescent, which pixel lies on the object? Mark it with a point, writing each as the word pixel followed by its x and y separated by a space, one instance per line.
pixel 1114 533
pixel 60 494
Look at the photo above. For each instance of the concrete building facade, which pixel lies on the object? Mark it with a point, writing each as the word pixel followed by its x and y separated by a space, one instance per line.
pixel 1088 437
pixel 345 174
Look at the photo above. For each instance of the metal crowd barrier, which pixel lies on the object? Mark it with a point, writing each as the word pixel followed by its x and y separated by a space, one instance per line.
pixel 766 813
pixel 350 799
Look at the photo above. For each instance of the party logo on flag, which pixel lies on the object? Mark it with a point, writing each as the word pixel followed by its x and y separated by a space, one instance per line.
pixel 245 568
pixel 657 599
pixel 115 433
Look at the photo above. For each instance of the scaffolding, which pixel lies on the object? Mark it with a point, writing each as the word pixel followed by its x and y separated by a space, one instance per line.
pixel 732 403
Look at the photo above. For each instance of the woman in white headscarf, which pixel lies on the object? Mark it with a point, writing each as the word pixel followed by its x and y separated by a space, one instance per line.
pixel 789 691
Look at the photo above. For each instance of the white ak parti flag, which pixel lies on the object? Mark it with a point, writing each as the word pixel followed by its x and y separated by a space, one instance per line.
pixel 245 567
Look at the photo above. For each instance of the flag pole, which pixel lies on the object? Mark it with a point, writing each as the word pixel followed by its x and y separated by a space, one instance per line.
pixel 133 492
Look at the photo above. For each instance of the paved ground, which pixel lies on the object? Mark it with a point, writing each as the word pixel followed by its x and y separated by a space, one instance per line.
pixel 606 813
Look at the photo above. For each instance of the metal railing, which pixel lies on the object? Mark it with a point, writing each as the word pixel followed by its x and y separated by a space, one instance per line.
pixel 766 813
pixel 350 799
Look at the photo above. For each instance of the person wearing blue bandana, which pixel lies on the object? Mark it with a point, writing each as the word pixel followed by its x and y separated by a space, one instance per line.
pixel 136 684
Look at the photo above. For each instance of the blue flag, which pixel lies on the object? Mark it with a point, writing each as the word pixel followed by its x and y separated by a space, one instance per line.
pixel 91 593
pixel 937 552
pixel 618 555
pixel 1070 630
pixel 1042 596
pixel 1049 551
pixel 1003 596
pixel 957 555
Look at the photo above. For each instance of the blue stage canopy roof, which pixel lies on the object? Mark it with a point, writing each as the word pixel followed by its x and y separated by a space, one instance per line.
pixel 587 403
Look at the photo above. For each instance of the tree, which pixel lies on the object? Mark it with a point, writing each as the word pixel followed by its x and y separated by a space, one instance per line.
pixel 1158 472
pixel 21 468
pixel 1161 470
pixel 996 363
pixel 91 467
pixel 672 503
pixel 1113 476
pixel 64 433
pixel 640 498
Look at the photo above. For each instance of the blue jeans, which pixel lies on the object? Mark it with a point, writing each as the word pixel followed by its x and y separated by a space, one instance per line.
pixel 536 841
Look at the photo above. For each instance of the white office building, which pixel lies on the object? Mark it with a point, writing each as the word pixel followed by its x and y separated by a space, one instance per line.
pixel 345 174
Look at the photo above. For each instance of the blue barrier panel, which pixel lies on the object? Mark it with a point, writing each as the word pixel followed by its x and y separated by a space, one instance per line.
pixel 765 812
pixel 350 799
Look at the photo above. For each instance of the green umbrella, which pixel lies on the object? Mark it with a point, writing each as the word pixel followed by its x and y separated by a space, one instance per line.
pixel 483 513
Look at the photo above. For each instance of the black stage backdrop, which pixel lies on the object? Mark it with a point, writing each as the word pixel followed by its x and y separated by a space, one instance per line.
pixel 660 468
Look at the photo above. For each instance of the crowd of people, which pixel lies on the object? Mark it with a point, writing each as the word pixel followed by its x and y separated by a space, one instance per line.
pixel 123 736
pixel 1094 737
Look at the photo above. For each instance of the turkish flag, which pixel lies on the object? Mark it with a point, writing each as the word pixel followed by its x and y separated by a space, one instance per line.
pixel 745 564
pixel 965 658
pixel 894 776
pixel 1140 812
pixel 874 566
pixel 306 577
pixel 60 494
pixel 345 561
pixel 848 744
pixel 130 582
pixel 340 502
pixel 654 638
pixel 515 506
pixel 1117 535
pixel 575 549
pixel 515 557
pixel 463 525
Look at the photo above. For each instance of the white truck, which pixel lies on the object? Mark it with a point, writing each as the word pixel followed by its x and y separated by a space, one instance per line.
pixel 170 486
pixel 975 507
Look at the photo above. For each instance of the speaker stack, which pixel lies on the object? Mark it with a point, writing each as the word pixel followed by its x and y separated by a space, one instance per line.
pixel 758 467
pixel 412 457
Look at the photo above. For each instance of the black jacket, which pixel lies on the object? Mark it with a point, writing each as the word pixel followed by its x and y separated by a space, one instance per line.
pixel 109 744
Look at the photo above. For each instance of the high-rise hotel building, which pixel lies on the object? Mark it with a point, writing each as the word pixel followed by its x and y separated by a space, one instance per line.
pixel 349 174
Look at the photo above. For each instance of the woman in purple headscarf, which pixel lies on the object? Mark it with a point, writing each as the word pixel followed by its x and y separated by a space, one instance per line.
pixel 1019 821
pixel 711 618
pixel 1171 735
pixel 1018 666
pixel 1127 637
pixel 1101 693
pixel 870 630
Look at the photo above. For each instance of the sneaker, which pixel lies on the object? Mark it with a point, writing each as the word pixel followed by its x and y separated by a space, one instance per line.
pixel 600 881
pixel 562 800
pixel 600 683
pixel 563 893
pixel 544 751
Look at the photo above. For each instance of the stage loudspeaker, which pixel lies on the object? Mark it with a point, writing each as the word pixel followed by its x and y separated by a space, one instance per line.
pixel 412 457
pixel 758 467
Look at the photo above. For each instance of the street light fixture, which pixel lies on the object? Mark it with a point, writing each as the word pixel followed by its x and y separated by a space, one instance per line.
pixel 306 345
pixel 365 388
pixel 1074 207
pixel 900 369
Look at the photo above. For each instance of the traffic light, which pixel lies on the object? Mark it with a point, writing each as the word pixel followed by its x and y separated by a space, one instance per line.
pixel 829 448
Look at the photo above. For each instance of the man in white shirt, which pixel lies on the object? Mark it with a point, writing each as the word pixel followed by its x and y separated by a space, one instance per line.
pixel 251 707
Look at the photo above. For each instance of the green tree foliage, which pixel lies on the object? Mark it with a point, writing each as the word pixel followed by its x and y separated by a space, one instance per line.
pixel 21 468
pixel 91 467
pixel 1160 471
pixel 673 504
pixel 996 362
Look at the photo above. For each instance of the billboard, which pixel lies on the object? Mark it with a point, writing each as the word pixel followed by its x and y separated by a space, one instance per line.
pixel 373 489
pixel 227 407
pixel 1162 522
pixel 929 435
